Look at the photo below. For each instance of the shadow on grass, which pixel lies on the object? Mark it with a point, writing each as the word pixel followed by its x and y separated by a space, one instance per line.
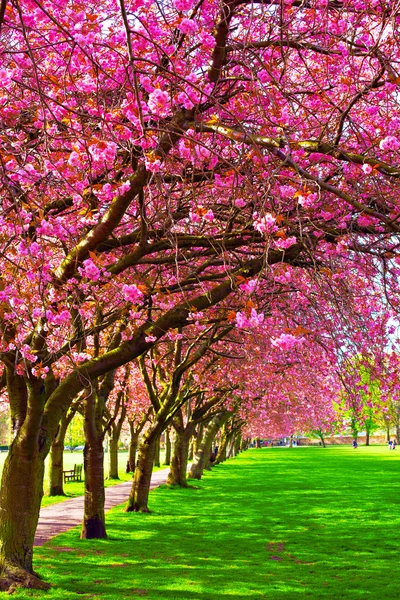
pixel 308 524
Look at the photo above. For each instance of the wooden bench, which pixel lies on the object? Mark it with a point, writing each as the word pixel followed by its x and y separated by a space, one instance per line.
pixel 74 474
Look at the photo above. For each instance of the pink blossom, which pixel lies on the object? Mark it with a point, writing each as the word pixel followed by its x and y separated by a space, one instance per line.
pixel 182 5
pixel 389 143
pixel 286 341
pixel 159 102
pixel 188 26
pixel 132 293
pixel 265 224
pixel 25 350
pixel 90 270
pixel 285 243
pixel 367 169
pixel 150 338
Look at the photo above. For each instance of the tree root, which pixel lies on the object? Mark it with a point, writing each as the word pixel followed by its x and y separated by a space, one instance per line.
pixel 13 577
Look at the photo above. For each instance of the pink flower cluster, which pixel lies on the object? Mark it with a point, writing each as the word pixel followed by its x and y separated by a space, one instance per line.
pixel 265 224
pixel 389 143
pixel 245 322
pixel 132 293
pixel 286 341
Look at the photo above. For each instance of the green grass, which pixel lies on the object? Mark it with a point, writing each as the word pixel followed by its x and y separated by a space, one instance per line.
pixel 73 489
pixel 276 524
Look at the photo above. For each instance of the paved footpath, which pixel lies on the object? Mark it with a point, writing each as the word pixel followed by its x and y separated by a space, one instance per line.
pixel 60 517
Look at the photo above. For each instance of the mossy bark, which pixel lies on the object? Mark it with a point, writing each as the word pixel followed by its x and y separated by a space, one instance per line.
pixel 178 470
pixel 133 446
pixel 202 456
pixel 93 525
pixel 113 457
pixel 56 467
pixel 167 460
pixel 157 454
pixel 22 490
pixel 139 496
pixel 20 498
pixel 223 446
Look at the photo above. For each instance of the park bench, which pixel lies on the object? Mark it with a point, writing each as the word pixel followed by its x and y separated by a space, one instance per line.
pixel 74 474
pixel 3 448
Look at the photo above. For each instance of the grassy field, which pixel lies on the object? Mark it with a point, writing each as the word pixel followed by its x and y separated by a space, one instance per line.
pixel 276 524
pixel 73 489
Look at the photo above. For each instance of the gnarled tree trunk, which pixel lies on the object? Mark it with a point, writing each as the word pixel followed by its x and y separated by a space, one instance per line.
pixel 22 486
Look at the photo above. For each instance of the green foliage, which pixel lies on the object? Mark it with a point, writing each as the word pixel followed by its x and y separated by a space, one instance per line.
pixel 273 524
pixel 75 435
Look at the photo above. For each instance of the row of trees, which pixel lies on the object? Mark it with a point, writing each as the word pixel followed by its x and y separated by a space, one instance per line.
pixel 183 184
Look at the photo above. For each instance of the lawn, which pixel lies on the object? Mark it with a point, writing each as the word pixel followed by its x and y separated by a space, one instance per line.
pixel 73 489
pixel 275 523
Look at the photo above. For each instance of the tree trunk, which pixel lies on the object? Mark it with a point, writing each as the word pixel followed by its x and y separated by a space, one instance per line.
pixel 20 498
pixel 167 460
pixel 113 457
pixel 291 442
pixel 397 432
pixel 223 446
pixel 321 435
pixel 258 443
pixel 93 526
pixel 139 496
pixel 203 452
pixel 157 454
pixel 237 444
pixel 133 446
pixel 178 471
pixel 367 436
pixel 56 483
pixel 387 433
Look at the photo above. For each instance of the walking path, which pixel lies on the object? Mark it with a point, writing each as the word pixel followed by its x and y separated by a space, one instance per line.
pixel 60 517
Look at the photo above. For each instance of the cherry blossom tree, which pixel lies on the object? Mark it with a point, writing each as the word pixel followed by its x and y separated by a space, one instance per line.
pixel 155 158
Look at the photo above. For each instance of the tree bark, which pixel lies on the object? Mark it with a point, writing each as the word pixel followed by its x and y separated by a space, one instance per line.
pixel 203 453
pixel 56 482
pixel 157 454
pixel 113 456
pixel 22 485
pixel 167 447
pixel 20 498
pixel 223 446
pixel 56 467
pixel 93 526
pixel 178 471
pixel 367 436
pixel 133 446
pixel 139 496
pixel 237 444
